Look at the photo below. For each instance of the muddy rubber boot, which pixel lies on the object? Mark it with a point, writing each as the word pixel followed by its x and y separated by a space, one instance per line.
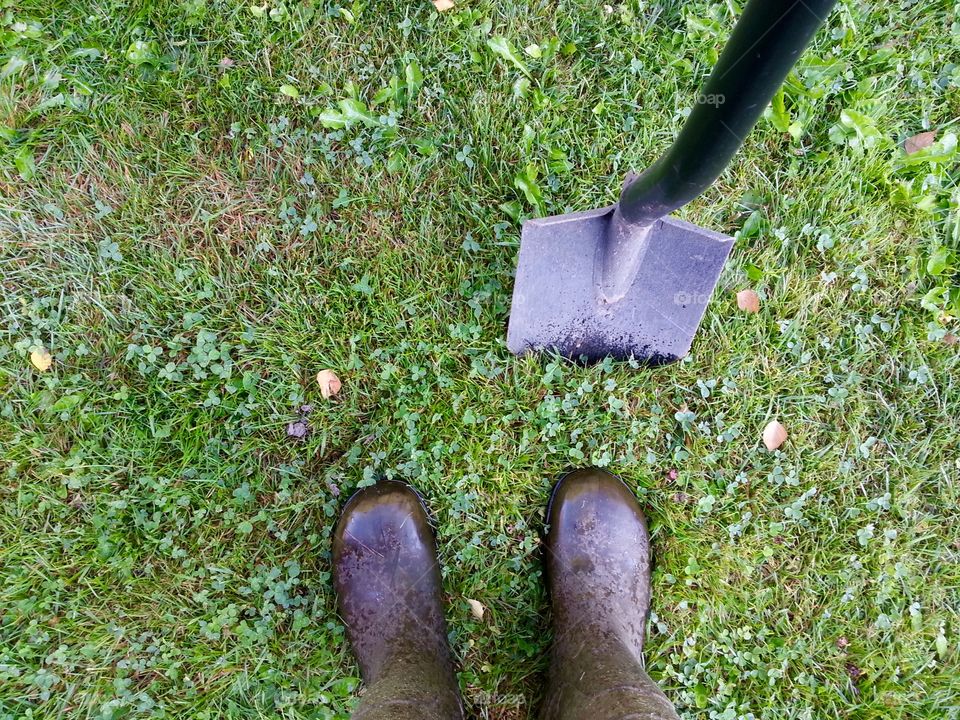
pixel 387 580
pixel 598 568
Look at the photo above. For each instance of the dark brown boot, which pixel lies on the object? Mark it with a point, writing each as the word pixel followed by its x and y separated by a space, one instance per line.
pixel 598 567
pixel 387 579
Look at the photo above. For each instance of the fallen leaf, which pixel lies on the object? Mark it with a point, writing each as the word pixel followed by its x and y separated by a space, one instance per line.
pixel 919 142
pixel 298 429
pixel 774 435
pixel 748 301
pixel 329 383
pixel 950 339
pixel 476 608
pixel 443 5
pixel 41 359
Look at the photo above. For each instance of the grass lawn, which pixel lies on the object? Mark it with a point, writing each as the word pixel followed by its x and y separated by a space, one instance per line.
pixel 203 203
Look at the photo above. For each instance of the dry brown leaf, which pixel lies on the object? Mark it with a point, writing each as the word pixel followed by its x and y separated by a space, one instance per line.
pixel 329 383
pixel 919 142
pixel 950 339
pixel 443 5
pixel 748 301
pixel 774 435
pixel 476 608
pixel 41 359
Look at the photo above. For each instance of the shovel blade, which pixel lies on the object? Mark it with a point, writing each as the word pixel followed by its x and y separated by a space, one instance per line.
pixel 558 306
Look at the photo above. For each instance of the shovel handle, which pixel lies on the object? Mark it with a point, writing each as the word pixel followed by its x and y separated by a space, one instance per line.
pixel 764 46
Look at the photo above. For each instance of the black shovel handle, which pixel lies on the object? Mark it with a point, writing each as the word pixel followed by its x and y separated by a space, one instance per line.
pixel 764 46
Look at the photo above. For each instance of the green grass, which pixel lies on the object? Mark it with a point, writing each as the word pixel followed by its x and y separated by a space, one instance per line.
pixel 192 245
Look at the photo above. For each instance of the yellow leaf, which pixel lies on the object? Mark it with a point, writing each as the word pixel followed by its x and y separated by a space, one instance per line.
pixel 329 383
pixel 476 608
pixel 41 359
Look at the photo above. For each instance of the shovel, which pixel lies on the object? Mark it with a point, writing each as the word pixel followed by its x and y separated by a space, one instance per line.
pixel 626 281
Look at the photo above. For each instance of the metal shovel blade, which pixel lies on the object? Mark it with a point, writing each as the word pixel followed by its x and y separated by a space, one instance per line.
pixel 558 304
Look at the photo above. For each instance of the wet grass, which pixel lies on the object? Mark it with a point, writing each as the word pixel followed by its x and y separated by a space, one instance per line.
pixel 192 244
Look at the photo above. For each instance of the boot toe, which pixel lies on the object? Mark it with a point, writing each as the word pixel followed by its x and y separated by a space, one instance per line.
pixel 598 492
pixel 381 518
pixel 383 542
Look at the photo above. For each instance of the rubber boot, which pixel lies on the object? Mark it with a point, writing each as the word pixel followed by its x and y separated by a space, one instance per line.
pixel 387 580
pixel 598 568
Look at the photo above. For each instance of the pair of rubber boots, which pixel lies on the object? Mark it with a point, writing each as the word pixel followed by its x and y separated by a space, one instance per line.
pixel 598 567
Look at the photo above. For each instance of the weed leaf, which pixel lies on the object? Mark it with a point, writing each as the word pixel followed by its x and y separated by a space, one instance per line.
pixel 505 49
